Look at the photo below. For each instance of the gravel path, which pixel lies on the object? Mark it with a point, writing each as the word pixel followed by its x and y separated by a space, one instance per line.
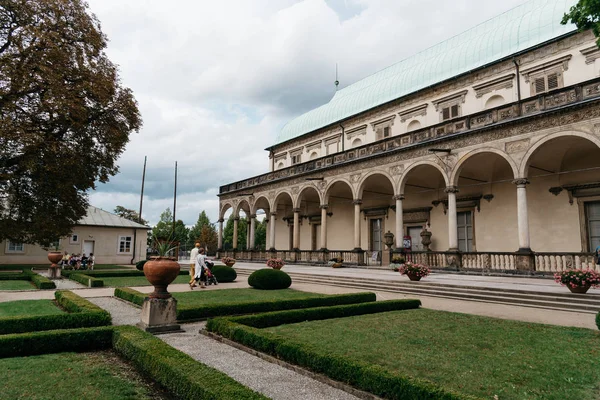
pixel 269 379
pixel 63 283
pixel 121 312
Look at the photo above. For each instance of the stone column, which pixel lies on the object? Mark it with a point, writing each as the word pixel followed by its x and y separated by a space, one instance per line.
pixel 252 230
pixel 267 232
pixel 357 203
pixel 296 237
pixel 220 237
pixel 399 222
pixel 272 231
pixel 324 208
pixel 236 220
pixel 522 217
pixel 247 235
pixel 452 227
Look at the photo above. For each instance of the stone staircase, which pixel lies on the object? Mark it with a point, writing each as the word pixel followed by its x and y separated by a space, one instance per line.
pixel 584 303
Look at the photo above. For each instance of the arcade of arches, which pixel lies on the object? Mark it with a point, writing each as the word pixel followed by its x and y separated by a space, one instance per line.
pixel 540 194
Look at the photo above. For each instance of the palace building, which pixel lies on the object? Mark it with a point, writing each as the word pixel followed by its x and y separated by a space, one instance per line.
pixel 481 152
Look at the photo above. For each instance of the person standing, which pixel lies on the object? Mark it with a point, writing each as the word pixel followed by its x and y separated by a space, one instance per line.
pixel 201 268
pixel 193 256
pixel 597 255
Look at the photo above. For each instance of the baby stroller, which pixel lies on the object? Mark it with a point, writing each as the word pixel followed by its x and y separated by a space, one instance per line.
pixel 210 277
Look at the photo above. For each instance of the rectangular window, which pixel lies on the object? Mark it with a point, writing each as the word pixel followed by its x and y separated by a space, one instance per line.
pixel 376 234
pixel 74 239
pixel 125 244
pixel 14 247
pixel 450 112
pixel 296 159
pixel 383 132
pixel 592 211
pixel 465 230
pixel 546 82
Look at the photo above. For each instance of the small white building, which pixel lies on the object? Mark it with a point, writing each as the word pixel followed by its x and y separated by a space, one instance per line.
pixel 112 239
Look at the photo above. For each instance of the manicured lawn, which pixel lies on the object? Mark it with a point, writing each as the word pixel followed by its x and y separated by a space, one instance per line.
pixel 112 266
pixel 473 355
pixel 200 297
pixel 136 280
pixel 99 375
pixel 28 307
pixel 16 285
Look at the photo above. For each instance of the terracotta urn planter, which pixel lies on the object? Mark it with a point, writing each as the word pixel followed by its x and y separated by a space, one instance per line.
pixel 579 289
pixel 160 272
pixel 413 277
pixel 54 257
pixel 230 264
pixel 278 267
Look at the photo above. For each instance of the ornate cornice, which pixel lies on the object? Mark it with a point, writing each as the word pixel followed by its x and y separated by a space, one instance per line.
pixel 420 110
pixel 455 97
pixel 357 131
pixel 504 82
pixel 561 63
pixel 591 53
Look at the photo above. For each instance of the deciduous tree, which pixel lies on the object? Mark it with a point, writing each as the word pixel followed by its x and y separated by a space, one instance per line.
pixel 130 215
pixel 585 15
pixel 64 116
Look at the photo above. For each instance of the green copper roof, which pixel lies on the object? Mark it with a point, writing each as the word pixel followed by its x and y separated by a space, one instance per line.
pixel 523 27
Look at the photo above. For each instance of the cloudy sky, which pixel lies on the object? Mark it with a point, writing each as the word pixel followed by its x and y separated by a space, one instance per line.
pixel 216 80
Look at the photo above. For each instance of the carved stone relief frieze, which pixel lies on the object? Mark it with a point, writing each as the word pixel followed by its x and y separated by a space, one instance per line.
pixel 516 146
pixel 396 170
pixel 355 178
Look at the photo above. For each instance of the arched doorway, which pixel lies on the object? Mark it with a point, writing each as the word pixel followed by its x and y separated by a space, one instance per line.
pixel 281 222
pixel 339 198
pixel 309 231
pixel 376 192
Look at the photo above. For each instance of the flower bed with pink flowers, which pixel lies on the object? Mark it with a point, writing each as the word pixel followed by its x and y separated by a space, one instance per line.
pixel 410 268
pixel 578 278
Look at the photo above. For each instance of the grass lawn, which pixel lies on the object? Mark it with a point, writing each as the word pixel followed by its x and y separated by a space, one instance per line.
pixel 28 307
pixel 473 355
pixel 17 285
pixel 112 266
pixel 123 281
pixel 99 375
pixel 200 297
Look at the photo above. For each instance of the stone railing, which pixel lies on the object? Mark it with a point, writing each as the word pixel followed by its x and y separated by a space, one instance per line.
pixel 557 262
pixel 493 117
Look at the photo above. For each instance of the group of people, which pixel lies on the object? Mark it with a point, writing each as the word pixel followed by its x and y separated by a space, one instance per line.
pixel 77 261
pixel 200 268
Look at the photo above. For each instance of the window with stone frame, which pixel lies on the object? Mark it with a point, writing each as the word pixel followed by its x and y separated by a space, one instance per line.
pixel 383 127
pixel 546 82
pixel 332 146
pixel 15 247
pixel 450 107
pixel 124 244
pixel 450 111
pixel 296 157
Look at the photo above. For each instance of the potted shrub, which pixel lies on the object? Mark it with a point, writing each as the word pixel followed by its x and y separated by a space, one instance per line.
pixel 228 261
pixel 335 262
pixel 275 263
pixel 578 280
pixel 396 263
pixel 161 270
pixel 414 271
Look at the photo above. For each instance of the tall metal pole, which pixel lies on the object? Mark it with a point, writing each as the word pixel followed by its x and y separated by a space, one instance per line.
pixel 142 194
pixel 175 197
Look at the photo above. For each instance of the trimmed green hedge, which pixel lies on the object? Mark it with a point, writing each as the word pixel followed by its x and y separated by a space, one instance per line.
pixel 80 314
pixel 110 274
pixel 130 295
pixel 34 343
pixel 224 274
pixel 371 378
pixel 598 320
pixel 269 279
pixel 26 275
pixel 87 280
pixel 140 265
pixel 183 376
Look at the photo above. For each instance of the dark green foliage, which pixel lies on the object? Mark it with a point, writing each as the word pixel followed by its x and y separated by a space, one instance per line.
pixel 371 378
pixel 269 279
pixel 56 341
pixel 585 15
pixel 140 265
pixel 598 320
pixel 128 294
pixel 42 282
pixel 184 377
pixel 213 310
pixel 224 274
pixel 112 274
pixel 80 313
pixel 87 280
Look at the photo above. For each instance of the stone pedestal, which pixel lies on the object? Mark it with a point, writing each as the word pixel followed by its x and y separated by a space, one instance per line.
pixel 159 316
pixel 54 272
pixel 525 261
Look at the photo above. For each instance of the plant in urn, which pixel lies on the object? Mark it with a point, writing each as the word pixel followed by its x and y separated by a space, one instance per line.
pixel 161 270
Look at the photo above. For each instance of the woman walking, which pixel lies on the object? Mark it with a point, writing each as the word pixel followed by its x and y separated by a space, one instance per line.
pixel 200 268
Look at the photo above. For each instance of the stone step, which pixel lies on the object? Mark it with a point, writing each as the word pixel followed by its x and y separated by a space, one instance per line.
pixel 565 302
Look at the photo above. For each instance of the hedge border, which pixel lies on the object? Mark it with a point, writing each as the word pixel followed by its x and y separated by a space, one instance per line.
pixel 180 374
pixel 41 282
pixel 216 310
pixel 80 314
pixel 598 320
pixel 91 278
pixel 370 378
pixel 87 280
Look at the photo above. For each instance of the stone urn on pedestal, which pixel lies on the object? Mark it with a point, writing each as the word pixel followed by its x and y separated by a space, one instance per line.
pixel 388 239
pixel 426 238
pixel 54 271
pixel 159 310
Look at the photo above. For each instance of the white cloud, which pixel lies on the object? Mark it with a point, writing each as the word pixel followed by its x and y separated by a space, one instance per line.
pixel 216 80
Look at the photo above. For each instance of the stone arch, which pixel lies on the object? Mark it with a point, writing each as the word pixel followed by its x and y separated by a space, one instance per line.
pixel 280 165
pixel 333 182
pixel 259 204
pixel 278 197
pixel 224 207
pixel 313 155
pixel 457 168
pixel 494 101
pixel 361 185
pixel 524 167
pixel 404 177
pixel 298 198
pixel 242 205
pixel 413 125
pixel 356 142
